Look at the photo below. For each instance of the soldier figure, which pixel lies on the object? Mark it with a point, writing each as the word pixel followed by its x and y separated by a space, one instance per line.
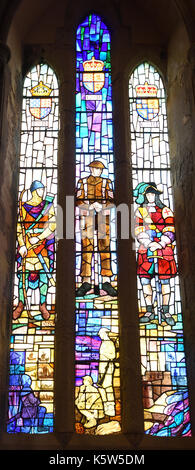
pixel 35 253
pixel 155 232
pixel 95 193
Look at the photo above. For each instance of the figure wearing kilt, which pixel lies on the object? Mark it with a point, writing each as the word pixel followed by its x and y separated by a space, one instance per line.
pixel 155 233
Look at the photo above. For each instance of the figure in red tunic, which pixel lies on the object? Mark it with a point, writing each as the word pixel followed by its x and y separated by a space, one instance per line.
pixel 155 233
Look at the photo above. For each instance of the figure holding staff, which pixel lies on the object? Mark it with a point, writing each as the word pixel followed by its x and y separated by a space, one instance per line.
pixel 35 252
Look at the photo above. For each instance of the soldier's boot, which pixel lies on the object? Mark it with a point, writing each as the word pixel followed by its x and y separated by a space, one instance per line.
pixel 166 316
pixel 109 289
pixel 18 310
pixel 148 316
pixel 83 289
pixel 44 312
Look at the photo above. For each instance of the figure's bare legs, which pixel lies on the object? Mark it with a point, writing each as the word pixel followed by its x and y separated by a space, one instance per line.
pixel 166 292
pixel 147 290
pixel 148 293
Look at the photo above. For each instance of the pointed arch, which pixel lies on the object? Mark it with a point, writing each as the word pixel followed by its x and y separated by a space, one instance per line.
pixel 163 368
pixel 31 380
pixel 98 406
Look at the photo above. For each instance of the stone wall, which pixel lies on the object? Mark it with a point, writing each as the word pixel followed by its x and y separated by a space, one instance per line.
pixel 181 113
pixel 11 85
pixel 136 35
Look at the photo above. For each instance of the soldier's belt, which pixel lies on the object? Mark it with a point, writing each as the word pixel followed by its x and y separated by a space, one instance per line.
pixel 155 256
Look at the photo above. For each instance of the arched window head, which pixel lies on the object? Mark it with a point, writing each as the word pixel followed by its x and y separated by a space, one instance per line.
pixel 163 368
pixel 31 380
pixel 98 407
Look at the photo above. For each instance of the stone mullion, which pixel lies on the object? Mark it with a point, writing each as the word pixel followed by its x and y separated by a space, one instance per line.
pixel 65 326
pixel 132 416
pixel 181 115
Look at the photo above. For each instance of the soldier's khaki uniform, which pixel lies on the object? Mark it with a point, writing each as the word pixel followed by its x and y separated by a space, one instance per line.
pixel 95 189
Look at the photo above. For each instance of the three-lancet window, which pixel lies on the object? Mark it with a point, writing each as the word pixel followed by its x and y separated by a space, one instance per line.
pixel 97 351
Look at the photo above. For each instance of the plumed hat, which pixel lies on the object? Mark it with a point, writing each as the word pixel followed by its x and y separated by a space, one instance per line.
pixel 143 188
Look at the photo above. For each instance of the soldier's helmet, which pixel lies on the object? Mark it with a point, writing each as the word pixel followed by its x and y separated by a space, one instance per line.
pixel 97 164
pixel 36 185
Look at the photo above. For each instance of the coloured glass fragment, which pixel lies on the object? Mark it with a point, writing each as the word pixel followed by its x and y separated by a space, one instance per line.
pixel 31 379
pixel 98 406
pixel 163 367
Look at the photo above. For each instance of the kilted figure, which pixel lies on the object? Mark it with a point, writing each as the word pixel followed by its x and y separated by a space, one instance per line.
pixel 155 233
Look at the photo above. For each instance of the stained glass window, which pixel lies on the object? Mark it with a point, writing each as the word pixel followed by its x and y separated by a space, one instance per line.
pixel 31 380
pixel 98 407
pixel 163 367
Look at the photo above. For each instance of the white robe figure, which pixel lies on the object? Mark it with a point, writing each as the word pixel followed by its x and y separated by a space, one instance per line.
pixel 89 402
pixel 106 371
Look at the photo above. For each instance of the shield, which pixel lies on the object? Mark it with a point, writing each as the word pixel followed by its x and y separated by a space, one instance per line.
pixel 147 108
pixel 40 108
pixel 93 81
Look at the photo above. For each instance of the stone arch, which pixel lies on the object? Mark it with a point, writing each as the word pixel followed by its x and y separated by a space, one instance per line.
pixel 180 106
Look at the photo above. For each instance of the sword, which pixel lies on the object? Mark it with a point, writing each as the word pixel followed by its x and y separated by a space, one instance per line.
pixel 158 289
pixel 46 269
pixel 157 284
pixel 43 263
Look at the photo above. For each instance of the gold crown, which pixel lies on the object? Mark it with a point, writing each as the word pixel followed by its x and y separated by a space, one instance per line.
pixel 93 65
pixel 40 90
pixel 149 90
